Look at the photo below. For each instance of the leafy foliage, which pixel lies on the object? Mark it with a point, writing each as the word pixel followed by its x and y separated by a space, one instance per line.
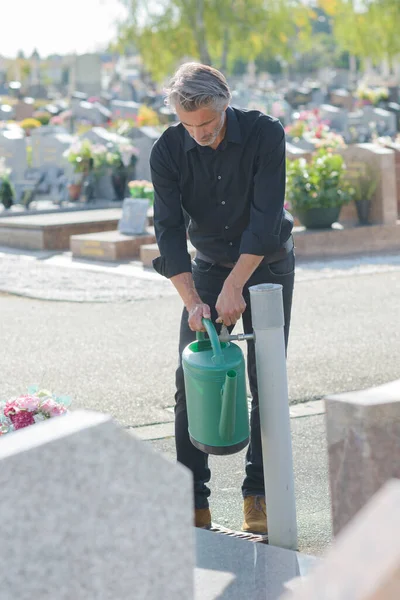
pixel 319 183
pixel 215 32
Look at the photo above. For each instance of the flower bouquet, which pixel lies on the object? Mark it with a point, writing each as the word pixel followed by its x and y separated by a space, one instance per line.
pixel 28 409
pixel 141 189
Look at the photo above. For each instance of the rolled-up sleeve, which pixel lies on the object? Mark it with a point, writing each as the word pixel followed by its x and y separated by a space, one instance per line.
pixel 169 223
pixel 262 236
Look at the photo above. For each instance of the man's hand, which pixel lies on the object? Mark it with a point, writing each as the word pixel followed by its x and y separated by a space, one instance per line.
pixel 196 313
pixel 230 304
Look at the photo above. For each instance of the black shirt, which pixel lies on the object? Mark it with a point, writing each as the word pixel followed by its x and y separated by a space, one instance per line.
pixel 231 198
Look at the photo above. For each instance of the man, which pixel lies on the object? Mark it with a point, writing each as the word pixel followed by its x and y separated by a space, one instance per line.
pixel 221 172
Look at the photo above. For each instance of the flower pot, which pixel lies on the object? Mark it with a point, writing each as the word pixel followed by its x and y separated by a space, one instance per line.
pixel 104 187
pixel 318 218
pixel 363 208
pixel 74 190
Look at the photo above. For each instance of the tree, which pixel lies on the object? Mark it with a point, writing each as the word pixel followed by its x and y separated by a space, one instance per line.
pixel 217 32
pixel 366 28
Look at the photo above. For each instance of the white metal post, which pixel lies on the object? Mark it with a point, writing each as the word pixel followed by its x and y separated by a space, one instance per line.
pixel 268 322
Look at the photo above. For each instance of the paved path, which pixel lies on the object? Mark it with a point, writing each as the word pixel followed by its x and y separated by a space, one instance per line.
pixel 112 346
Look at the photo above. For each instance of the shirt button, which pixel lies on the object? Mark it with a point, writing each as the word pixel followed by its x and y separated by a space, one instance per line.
pixel 219 177
pixel 223 202
pixel 231 243
pixel 226 227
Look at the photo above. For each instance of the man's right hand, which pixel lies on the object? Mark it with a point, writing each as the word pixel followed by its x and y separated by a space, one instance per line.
pixel 197 312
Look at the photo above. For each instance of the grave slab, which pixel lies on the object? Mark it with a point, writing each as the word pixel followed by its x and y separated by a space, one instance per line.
pixel 346 240
pixel 110 245
pixel 53 231
pixel 233 569
pixel 148 252
pixel 93 513
pixel 363 434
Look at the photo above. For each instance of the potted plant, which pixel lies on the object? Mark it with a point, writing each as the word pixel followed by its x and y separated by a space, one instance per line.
pixel 122 159
pixel 28 124
pixel 80 156
pixel 141 188
pixel 6 188
pixel 364 186
pixel 317 190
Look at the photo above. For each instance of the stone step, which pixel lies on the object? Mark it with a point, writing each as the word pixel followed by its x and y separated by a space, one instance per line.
pixel 53 231
pixel 110 245
pixel 148 252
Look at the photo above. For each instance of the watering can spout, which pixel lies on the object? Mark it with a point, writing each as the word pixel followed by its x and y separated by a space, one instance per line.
pixel 228 409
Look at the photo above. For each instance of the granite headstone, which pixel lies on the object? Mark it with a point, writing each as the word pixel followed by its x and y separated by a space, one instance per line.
pixel 90 511
pixel 13 148
pixel 364 561
pixel 363 432
pixel 134 216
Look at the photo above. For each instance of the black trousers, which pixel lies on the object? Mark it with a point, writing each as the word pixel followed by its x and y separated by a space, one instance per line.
pixel 209 280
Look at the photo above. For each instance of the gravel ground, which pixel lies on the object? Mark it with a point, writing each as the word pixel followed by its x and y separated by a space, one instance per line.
pixel 49 276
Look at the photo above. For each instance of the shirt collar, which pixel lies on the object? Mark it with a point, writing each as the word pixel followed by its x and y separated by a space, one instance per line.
pixel 233 133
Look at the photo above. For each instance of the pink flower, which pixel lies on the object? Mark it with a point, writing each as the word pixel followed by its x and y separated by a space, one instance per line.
pixel 22 419
pixel 27 402
pixel 50 408
pixel 10 408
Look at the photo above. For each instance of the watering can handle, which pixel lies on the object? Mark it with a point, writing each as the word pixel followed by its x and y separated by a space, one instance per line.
pixel 214 339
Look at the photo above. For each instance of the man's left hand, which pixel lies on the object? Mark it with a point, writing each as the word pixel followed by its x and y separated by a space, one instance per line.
pixel 230 304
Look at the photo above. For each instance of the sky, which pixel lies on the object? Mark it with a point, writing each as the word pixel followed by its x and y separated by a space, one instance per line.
pixel 57 26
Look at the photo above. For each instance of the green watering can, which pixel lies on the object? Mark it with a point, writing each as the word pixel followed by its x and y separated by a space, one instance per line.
pixel 216 398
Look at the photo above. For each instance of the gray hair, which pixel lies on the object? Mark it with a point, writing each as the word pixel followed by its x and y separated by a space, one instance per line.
pixel 197 86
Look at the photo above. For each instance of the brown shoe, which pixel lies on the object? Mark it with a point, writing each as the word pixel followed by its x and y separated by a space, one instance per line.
pixel 255 515
pixel 202 518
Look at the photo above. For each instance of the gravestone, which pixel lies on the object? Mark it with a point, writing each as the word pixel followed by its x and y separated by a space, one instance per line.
pixel 382 162
pixel 100 135
pixel 134 216
pixel 363 432
pixel 342 99
pixel 93 512
pixel 337 117
pixel 121 109
pixel 13 148
pixel 394 107
pixel 93 112
pixel 49 148
pixel 364 560
pixel 299 96
pixel 384 121
pixel 24 110
pixel 144 139
pixel 86 73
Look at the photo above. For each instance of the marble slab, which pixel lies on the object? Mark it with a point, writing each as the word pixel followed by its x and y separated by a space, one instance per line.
pixel 364 561
pixel 233 569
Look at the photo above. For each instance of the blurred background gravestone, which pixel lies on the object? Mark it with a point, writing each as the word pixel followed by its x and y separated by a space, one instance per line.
pixel 144 139
pixel 93 512
pixel 13 148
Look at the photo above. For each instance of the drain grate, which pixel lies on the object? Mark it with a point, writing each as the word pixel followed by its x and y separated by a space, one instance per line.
pixel 251 537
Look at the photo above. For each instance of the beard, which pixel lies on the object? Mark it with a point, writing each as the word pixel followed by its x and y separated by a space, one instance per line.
pixel 211 138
